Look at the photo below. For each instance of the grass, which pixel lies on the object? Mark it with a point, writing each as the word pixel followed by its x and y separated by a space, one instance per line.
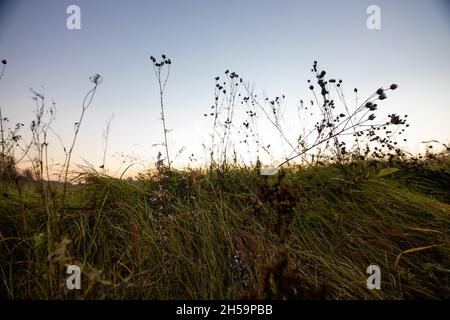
pixel 213 234
pixel 227 232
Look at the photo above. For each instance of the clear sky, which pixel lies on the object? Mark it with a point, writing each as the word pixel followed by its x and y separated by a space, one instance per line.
pixel 271 43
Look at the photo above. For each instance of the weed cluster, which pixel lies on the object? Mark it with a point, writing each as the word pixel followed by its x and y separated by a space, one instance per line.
pixel 329 139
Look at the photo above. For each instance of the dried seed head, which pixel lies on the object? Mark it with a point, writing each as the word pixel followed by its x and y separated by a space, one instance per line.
pixel 96 78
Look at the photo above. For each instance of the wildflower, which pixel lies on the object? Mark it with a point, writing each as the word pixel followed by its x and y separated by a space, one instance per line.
pixel 380 91
pixel 371 117
pixel 4 61
pixel 393 86
pixel 395 119
pixel 382 96
pixel 153 59
pixel 163 56
pixel 311 87
pixel 96 78
pixel 371 106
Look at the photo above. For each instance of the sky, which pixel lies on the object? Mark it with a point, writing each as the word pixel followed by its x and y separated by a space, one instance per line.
pixel 270 43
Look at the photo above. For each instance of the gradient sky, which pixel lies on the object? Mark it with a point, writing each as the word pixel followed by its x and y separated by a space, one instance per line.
pixel 271 43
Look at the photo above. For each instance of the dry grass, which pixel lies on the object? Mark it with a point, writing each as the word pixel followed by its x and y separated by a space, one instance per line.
pixel 215 235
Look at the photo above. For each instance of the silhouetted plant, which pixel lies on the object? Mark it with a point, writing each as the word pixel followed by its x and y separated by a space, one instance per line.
pixel 2 132
pixel 327 137
pixel 105 142
pixel 8 141
pixel 223 111
pixel 162 78
pixel 335 125
pixel 96 80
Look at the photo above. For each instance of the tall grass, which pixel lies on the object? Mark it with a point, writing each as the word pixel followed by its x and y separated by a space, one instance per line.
pixel 199 236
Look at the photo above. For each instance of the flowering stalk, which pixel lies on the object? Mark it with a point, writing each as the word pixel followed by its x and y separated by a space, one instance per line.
pixel 158 67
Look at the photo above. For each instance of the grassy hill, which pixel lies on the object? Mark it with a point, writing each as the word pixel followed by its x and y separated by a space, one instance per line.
pixel 227 233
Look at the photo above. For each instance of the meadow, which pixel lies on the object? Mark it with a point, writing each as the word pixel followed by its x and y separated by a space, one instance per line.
pixel 346 197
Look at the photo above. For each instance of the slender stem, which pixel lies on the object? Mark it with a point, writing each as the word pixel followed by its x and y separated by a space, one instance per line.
pixel 163 117
pixel 66 165
pixel 3 71
pixel 268 117
pixel 162 87
pixel 331 136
